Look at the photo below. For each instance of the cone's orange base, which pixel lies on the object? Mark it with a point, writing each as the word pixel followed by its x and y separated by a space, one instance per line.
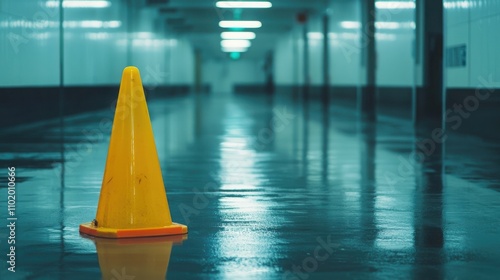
pixel 174 229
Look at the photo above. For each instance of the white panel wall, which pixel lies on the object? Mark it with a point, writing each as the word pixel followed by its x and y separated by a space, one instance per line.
pixel 216 73
pixel 165 59
pixel 474 23
pixel 395 47
pixel 98 44
pixel 284 68
pixel 222 75
pixel 29 44
pixel 345 49
pixel 95 55
pixel 289 58
pixel 484 41
pixel 395 37
pixel 182 62
pixel 457 32
pixel 345 44
pixel 315 51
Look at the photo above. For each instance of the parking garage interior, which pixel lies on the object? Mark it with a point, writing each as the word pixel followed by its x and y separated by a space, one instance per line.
pixel 319 139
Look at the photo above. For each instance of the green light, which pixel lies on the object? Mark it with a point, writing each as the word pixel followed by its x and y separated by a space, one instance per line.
pixel 235 55
pixel 237 14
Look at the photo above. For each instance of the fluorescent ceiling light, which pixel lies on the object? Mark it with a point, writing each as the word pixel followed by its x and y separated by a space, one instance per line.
pixel 394 25
pixel 380 25
pixel 315 35
pixel 395 5
pixel 385 37
pixel 237 35
pixel 243 4
pixel 387 25
pixel 240 24
pixel 457 5
pixel 97 35
pixel 143 35
pixel 100 24
pixel 41 36
pixel 235 43
pixel 230 50
pixel 66 24
pixel 79 4
pixel 349 36
pixel 350 24
pixel 92 24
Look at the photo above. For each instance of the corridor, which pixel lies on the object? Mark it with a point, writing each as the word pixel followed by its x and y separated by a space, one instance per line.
pixel 262 183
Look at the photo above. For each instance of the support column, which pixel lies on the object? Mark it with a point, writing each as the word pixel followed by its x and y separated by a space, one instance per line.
pixel 198 66
pixel 430 99
pixel 326 58
pixel 306 66
pixel 369 92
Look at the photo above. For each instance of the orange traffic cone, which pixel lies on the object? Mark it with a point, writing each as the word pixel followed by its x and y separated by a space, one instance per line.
pixel 133 201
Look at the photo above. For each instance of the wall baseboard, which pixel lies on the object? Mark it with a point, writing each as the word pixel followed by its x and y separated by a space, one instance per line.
pixel 30 104
pixel 481 112
pixel 483 122
pixel 394 101
pixel 249 88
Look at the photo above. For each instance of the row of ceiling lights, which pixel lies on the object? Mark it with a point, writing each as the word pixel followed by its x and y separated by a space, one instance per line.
pixel 237 41
pixel 251 4
pixel 246 4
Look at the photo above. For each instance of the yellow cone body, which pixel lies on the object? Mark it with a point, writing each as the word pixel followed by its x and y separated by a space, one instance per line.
pixel 133 201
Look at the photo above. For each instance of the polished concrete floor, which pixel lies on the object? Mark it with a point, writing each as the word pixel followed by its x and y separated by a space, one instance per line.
pixel 270 188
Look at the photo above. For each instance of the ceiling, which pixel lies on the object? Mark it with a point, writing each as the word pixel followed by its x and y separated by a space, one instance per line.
pixel 199 21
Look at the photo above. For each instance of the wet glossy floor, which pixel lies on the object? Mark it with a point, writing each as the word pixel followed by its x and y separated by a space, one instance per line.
pixel 271 188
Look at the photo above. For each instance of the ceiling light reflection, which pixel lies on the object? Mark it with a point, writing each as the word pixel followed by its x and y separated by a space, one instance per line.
pixel 97 35
pixel 79 4
pixel 380 25
pixel 315 36
pixel 395 5
pixel 92 24
pixel 457 5
pixel 55 24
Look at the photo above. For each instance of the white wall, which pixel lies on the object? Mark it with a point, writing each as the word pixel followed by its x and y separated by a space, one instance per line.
pixel 315 27
pixel 182 62
pixel 345 49
pixel 222 75
pixel 473 23
pixel 470 22
pixel 98 44
pixel 395 47
pixel 288 58
pixel 284 70
pixel 29 44
pixel 345 44
pixel 395 39
pixel 95 56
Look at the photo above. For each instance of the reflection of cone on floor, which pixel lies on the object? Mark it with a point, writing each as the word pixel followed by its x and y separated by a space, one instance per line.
pixel 138 258
pixel 133 201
